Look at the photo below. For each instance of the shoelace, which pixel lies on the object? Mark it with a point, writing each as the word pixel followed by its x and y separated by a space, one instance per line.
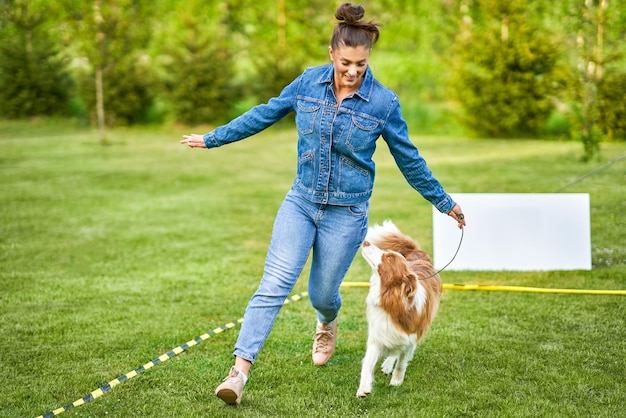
pixel 233 376
pixel 320 340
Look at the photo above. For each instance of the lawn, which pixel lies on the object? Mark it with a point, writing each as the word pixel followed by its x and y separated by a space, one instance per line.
pixel 113 255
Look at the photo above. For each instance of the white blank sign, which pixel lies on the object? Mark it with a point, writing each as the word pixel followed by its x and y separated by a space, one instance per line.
pixel 521 232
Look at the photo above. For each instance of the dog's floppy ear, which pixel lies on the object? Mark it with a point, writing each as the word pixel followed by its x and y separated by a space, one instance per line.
pixel 409 284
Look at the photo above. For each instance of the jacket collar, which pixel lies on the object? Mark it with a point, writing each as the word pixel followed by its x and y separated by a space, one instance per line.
pixel 364 92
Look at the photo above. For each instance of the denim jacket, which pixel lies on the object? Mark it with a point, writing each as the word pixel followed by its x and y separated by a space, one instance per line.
pixel 336 143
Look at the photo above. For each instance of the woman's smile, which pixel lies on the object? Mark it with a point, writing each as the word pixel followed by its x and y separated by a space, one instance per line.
pixel 350 64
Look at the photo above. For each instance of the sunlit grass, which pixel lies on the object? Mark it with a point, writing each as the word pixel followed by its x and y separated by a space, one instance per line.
pixel 113 255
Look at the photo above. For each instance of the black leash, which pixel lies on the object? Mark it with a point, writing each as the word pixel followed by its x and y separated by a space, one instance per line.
pixel 460 218
pixel 578 180
pixel 591 173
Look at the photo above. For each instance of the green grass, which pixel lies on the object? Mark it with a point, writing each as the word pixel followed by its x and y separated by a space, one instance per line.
pixel 113 255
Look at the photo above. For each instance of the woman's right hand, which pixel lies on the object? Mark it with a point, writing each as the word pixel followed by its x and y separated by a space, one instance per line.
pixel 193 141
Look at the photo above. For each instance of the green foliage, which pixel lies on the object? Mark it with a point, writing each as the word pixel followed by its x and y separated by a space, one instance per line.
pixel 408 56
pixel 129 91
pixel 612 106
pixel 503 70
pixel 114 36
pixel 32 83
pixel 594 50
pixel 272 78
pixel 199 69
pixel 205 61
pixel 276 40
pixel 33 76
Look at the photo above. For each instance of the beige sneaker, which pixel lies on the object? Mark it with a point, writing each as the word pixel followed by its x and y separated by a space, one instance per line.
pixel 325 340
pixel 231 389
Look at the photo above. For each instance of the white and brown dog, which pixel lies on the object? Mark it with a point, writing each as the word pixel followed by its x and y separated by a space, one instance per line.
pixel 402 302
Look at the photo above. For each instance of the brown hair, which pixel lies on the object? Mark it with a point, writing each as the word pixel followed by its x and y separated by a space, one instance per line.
pixel 351 30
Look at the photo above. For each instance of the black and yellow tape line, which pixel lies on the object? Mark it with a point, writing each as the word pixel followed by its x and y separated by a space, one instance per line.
pixel 162 358
pixel 183 347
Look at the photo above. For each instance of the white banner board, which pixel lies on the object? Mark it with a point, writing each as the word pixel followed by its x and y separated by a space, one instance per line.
pixel 520 232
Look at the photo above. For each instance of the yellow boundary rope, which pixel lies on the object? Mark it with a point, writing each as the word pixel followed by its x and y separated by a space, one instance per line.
pixel 511 289
pixel 533 289
pixel 183 347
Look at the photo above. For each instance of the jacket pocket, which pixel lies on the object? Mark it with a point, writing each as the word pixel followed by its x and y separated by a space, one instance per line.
pixel 306 169
pixel 306 113
pixel 352 178
pixel 362 132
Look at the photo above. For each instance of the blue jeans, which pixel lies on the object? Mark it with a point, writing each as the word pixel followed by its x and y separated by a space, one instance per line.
pixel 334 233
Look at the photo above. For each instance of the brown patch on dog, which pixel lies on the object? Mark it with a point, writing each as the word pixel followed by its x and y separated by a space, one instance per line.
pixel 399 287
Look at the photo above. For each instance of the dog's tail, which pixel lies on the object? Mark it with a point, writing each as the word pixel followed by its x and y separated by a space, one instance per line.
pixel 388 237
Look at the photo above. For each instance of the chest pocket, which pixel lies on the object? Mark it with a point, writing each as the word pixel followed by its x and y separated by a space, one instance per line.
pixel 362 132
pixel 305 116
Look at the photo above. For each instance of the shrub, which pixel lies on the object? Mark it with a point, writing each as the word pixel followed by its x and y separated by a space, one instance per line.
pixel 198 75
pixel 611 105
pixel 33 76
pixel 129 91
pixel 502 72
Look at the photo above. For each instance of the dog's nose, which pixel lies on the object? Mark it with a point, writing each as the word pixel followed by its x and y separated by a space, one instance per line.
pixel 366 243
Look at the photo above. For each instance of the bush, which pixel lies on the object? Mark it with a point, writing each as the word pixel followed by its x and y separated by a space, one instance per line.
pixel 502 73
pixel 198 75
pixel 33 80
pixel 611 105
pixel 129 89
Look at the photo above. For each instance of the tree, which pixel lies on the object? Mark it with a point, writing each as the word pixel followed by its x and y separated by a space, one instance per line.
pixel 611 105
pixel 276 40
pixel 199 66
pixel 595 39
pixel 113 36
pixel 33 76
pixel 503 64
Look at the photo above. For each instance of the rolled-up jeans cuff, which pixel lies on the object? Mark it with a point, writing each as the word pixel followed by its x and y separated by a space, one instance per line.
pixel 244 356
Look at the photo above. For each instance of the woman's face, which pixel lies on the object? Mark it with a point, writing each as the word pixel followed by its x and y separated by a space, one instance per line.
pixel 350 64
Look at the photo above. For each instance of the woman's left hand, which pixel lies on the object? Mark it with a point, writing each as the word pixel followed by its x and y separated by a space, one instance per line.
pixel 458 216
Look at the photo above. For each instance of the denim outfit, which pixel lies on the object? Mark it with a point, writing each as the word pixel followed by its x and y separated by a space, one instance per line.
pixel 327 208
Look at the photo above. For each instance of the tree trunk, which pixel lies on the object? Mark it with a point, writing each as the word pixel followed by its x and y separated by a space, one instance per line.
pixel 99 74
pixel 604 4
pixel 100 106
pixel 282 33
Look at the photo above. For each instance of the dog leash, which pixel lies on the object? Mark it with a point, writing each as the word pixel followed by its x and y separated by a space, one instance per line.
pixel 460 218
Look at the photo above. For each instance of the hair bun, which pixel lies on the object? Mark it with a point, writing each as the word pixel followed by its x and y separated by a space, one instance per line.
pixel 350 13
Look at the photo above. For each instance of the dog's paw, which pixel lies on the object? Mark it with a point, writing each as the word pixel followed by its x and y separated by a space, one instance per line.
pixel 396 380
pixel 387 366
pixel 362 393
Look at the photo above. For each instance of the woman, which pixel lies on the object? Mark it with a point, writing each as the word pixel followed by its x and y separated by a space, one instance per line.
pixel 341 110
